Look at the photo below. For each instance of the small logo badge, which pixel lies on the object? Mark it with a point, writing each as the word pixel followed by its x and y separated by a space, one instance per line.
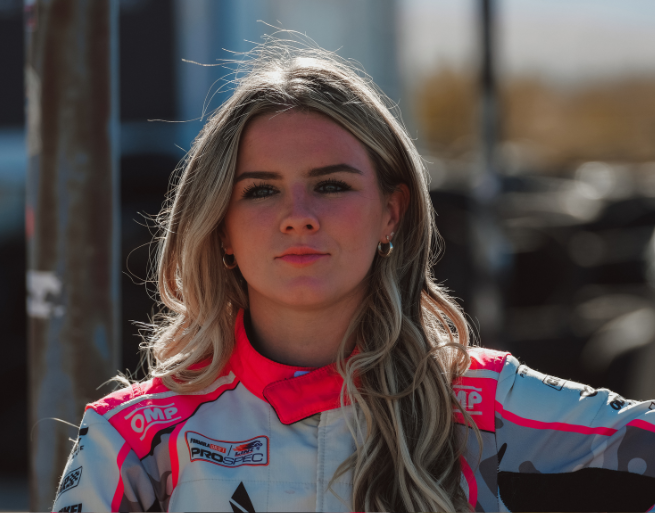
pixel 588 391
pixel 554 382
pixel 225 453
pixel 70 480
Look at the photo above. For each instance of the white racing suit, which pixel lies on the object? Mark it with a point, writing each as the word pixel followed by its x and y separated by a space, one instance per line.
pixel 269 437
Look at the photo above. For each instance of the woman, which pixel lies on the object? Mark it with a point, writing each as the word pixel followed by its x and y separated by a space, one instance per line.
pixel 309 362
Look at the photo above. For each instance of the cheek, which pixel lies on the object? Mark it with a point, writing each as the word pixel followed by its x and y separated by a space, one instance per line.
pixel 356 221
pixel 247 228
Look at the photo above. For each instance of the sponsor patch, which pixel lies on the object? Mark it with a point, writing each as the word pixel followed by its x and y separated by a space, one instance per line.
pixel 469 397
pixel 78 443
pixel 476 397
pixel 72 508
pixel 225 453
pixel 554 382
pixel 141 419
pixel 619 402
pixel 76 449
pixel 70 480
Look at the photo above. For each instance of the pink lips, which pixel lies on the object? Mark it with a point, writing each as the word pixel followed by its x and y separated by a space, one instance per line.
pixel 302 256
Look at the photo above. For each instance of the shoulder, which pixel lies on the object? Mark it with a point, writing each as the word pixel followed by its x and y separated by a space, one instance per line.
pixel 487 359
pixel 496 382
pixel 526 398
pixel 143 411
pixel 565 444
pixel 122 398
pixel 497 385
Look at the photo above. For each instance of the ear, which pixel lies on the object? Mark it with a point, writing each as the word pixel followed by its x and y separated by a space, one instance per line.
pixel 396 205
pixel 226 245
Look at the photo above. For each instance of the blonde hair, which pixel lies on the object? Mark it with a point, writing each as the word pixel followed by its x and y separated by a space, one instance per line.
pixel 411 336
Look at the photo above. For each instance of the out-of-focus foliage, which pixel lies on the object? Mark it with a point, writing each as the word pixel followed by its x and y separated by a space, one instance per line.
pixel 556 126
pixel 611 121
pixel 445 107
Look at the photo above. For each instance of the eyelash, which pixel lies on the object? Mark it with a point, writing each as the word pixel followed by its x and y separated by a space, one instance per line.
pixel 338 183
pixel 251 190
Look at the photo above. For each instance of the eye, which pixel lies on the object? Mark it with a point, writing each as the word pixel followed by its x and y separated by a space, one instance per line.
pixel 258 191
pixel 332 186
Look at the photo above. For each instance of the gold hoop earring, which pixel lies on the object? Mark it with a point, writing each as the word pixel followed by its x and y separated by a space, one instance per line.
pixel 385 253
pixel 228 265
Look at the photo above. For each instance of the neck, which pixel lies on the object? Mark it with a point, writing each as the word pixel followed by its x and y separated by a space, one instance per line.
pixel 301 337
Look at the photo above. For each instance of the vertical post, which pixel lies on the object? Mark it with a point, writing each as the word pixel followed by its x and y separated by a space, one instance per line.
pixel 71 222
pixel 488 243
pixel 488 98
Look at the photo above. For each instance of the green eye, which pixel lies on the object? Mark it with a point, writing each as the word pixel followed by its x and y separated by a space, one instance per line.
pixel 257 191
pixel 332 186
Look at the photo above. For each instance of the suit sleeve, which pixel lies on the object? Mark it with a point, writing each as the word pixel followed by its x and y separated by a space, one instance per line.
pixel 563 446
pixel 103 473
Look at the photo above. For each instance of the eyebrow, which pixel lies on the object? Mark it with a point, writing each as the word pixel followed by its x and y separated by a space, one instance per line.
pixel 336 168
pixel 317 171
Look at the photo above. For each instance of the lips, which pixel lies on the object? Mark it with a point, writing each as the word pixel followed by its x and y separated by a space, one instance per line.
pixel 301 256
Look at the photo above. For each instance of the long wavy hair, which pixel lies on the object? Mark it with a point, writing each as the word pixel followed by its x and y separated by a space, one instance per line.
pixel 411 336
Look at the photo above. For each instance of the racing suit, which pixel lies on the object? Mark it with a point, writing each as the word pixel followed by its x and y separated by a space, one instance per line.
pixel 269 437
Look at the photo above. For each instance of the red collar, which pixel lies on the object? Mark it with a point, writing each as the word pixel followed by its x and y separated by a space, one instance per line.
pixel 293 397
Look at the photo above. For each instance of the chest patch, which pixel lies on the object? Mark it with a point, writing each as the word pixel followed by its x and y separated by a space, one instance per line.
pixel 226 453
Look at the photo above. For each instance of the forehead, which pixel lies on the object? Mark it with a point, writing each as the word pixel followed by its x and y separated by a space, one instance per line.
pixel 298 140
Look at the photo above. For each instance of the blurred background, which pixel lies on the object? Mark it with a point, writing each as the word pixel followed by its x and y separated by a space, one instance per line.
pixel 536 120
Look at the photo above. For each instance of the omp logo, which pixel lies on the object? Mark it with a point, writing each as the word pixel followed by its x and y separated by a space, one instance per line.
pixel 143 418
pixel 469 397
pixel 227 454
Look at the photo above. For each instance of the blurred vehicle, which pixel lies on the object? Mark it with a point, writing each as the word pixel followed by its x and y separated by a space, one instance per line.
pixel 579 299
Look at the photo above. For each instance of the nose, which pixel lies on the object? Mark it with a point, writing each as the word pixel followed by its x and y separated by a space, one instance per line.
pixel 299 216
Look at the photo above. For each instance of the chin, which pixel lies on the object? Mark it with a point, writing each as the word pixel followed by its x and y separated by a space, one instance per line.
pixel 306 298
pixel 306 293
